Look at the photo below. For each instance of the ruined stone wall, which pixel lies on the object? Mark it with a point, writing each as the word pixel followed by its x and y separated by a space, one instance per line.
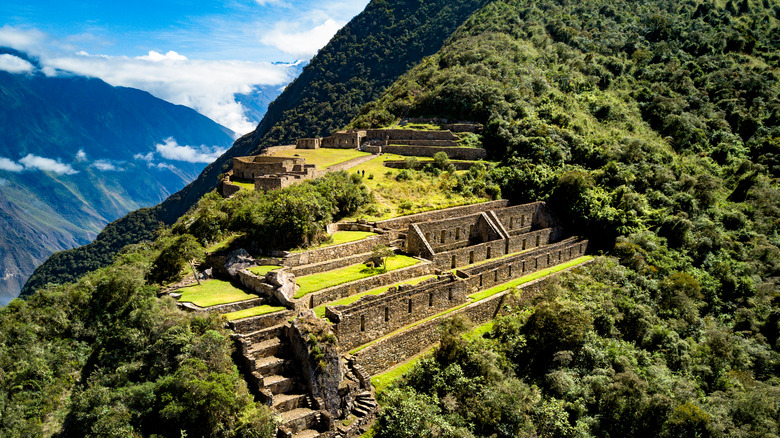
pixel 401 164
pixel 427 143
pixel 470 254
pixel 351 163
pixel 375 316
pixel 252 167
pixel 409 134
pixel 454 153
pixel 485 277
pixel 518 218
pixel 343 140
pixel 255 323
pixel 449 234
pixel 337 292
pixel 274 149
pixel 463 127
pixel 227 188
pixel 393 350
pixel 308 143
pixel 403 222
pixel 341 262
pixel 335 252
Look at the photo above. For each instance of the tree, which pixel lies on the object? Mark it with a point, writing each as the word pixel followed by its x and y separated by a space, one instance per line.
pixel 380 254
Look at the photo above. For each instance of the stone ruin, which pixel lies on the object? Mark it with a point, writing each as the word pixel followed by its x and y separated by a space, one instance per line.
pixel 316 373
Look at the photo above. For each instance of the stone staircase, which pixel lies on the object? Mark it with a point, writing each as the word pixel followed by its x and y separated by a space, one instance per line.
pixel 275 380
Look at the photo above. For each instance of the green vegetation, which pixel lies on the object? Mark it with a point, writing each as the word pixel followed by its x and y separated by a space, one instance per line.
pixel 244 184
pixel 340 237
pixel 212 293
pixel 105 357
pixel 253 311
pixel 323 158
pixel 263 269
pixel 383 381
pixel 225 243
pixel 320 310
pixel 314 282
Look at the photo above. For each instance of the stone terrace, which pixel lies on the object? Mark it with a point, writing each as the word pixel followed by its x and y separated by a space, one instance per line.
pixel 476 253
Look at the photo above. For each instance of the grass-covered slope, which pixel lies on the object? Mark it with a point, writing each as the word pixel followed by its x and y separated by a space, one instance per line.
pixel 364 57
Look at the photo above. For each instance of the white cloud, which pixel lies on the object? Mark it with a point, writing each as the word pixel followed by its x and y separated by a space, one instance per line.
pixel 105 166
pixel 163 166
pixel 3 182
pixel 171 150
pixel 206 86
pixel 15 64
pixel 288 37
pixel 22 39
pixel 9 165
pixel 272 2
pixel 81 155
pixel 148 157
pixel 47 164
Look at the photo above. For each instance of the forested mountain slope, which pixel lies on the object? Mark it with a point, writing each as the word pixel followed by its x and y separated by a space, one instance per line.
pixel 364 57
pixel 78 153
pixel 652 127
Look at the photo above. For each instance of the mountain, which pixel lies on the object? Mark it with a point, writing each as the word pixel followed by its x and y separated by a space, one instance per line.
pixel 363 58
pixel 256 102
pixel 77 153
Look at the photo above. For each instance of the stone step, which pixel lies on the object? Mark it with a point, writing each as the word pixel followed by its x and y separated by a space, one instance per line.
pixel 279 384
pixel 270 347
pixel 300 419
pixel 308 433
pixel 288 402
pixel 264 334
pixel 270 365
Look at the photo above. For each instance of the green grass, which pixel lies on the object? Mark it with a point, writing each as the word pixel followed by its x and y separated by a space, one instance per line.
pixel 482 295
pixel 479 330
pixel 323 158
pixel 224 243
pixel 254 311
pixel 340 237
pixel 324 280
pixel 263 269
pixel 320 310
pixel 244 184
pixel 212 293
pixel 382 381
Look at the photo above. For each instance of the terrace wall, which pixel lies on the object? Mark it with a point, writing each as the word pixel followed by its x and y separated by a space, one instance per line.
pixel 335 252
pixel 308 143
pixel 372 317
pixel 454 153
pixel 314 299
pixel 393 350
pixel 498 248
pixel 403 222
pixel 401 164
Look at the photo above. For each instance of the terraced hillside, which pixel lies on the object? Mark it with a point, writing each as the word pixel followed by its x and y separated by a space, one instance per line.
pixel 374 314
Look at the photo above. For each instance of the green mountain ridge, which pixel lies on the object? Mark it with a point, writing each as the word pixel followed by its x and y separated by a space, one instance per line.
pixel 353 69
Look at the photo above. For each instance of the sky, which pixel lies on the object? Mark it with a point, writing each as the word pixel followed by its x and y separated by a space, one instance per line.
pixel 193 53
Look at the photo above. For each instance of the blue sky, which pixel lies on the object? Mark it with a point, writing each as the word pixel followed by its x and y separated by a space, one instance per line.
pixel 194 53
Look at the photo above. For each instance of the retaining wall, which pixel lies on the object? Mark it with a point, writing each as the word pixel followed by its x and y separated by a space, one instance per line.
pixel 372 317
pixel 454 153
pixel 393 350
pixel 493 249
pixel 401 164
pixel 255 323
pixel 228 189
pixel 314 299
pixel 403 222
pixel 329 265
pixel 224 308
pixel 335 252
pixel 351 163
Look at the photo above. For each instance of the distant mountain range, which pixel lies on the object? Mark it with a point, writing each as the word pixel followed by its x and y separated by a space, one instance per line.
pixel 77 153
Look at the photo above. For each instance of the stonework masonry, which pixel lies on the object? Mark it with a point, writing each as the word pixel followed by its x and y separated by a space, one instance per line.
pixel 454 153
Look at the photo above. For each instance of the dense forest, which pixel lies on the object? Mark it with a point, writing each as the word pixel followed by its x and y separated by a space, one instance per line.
pixel 362 59
pixel 651 127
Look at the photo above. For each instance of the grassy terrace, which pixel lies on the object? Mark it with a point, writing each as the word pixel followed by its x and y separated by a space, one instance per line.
pixel 323 158
pixel 213 293
pixel 340 237
pixel 254 311
pixel 479 296
pixel 244 184
pixel 320 310
pixel 324 280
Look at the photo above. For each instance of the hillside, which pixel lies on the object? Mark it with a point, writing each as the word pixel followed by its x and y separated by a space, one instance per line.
pixel 354 68
pixel 70 148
